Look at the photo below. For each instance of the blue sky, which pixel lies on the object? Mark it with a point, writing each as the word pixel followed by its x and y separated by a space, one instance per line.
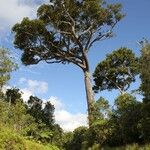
pixel 64 84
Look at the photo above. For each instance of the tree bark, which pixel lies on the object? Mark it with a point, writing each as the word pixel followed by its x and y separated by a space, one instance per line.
pixel 89 96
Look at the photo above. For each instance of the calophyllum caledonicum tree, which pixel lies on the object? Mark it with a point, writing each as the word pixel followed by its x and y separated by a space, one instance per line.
pixel 64 32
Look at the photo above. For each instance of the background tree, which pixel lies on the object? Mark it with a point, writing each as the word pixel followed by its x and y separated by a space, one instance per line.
pixel 124 121
pixel 117 71
pixel 42 112
pixel 99 131
pixel 145 70
pixel 35 108
pixel 102 109
pixel 64 33
pixel 7 65
pixel 48 112
pixel 78 140
pixel 13 95
pixel 145 89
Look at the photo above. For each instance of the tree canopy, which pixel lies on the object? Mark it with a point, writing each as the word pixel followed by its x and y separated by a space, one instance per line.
pixel 117 71
pixel 65 30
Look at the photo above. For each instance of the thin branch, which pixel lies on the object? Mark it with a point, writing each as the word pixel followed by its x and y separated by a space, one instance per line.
pixel 76 62
pixel 87 30
pixel 52 62
pixel 103 36
pixel 121 91
pixel 89 40
pixel 66 22
pixel 72 20
pixel 63 32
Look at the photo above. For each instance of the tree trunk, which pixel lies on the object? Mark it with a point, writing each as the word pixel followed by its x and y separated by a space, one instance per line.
pixel 89 96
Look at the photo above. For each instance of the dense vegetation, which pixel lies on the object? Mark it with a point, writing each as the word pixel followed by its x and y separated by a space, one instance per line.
pixel 66 38
pixel 31 124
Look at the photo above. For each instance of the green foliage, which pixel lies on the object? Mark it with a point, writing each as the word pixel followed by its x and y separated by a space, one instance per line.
pixel 63 29
pixel 130 147
pixel 99 133
pixel 125 101
pixel 124 121
pixel 12 141
pixel 13 95
pixel 35 146
pixel 44 115
pixel 101 109
pixel 7 65
pixel 117 71
pixel 145 71
pixel 46 129
pixel 144 125
pixel 145 89
pixel 77 140
pixel 19 123
pixel 16 118
pixel 67 139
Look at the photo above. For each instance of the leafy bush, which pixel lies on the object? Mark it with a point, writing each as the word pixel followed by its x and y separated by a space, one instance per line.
pixel 30 145
pixel 12 141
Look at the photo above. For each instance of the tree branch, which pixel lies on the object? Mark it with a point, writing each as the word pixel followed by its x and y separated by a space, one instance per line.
pixel 121 91
pixel 52 62
pixel 72 20
pixel 63 32
pixel 103 36
pixel 86 31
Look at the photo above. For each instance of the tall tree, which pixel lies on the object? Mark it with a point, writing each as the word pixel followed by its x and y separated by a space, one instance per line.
pixel 117 71
pixel 64 32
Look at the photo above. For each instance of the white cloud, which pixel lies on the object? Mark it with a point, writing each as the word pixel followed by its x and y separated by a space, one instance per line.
pixel 57 103
pixel 26 94
pixel 13 11
pixel 4 89
pixel 68 121
pixel 37 87
pixel 17 10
